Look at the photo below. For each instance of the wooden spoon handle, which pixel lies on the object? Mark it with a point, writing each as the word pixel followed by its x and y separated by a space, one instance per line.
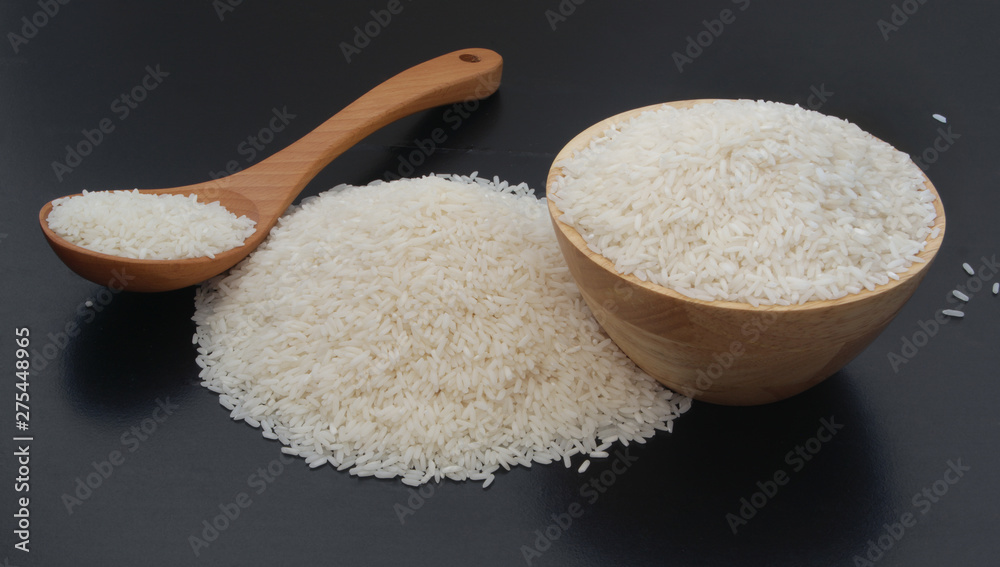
pixel 459 76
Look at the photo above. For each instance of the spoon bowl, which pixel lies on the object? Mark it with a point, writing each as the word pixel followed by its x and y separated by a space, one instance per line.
pixel 264 191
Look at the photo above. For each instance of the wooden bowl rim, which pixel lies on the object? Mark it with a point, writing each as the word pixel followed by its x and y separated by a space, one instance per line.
pixel 582 140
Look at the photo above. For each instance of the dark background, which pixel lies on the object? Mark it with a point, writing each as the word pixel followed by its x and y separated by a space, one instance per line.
pixel 900 426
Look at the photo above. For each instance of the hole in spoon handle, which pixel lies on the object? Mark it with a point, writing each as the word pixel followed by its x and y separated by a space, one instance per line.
pixel 469 58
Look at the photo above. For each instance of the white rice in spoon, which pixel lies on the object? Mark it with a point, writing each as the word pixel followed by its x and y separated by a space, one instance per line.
pixel 138 225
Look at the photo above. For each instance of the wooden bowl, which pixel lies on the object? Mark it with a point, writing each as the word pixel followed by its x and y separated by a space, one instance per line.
pixel 721 351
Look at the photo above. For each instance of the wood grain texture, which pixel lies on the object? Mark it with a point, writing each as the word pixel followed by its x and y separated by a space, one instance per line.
pixel 264 191
pixel 728 352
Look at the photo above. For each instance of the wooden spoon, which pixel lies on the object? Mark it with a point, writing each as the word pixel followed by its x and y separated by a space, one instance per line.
pixel 263 191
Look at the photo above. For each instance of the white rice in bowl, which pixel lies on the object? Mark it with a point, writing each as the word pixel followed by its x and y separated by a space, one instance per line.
pixel 748 201
pixel 147 226
pixel 423 329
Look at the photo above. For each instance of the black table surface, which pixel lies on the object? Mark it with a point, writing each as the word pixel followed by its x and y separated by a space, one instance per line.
pixel 892 461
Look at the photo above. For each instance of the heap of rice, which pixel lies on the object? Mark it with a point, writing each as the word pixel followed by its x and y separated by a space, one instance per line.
pixel 747 201
pixel 145 226
pixel 424 328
